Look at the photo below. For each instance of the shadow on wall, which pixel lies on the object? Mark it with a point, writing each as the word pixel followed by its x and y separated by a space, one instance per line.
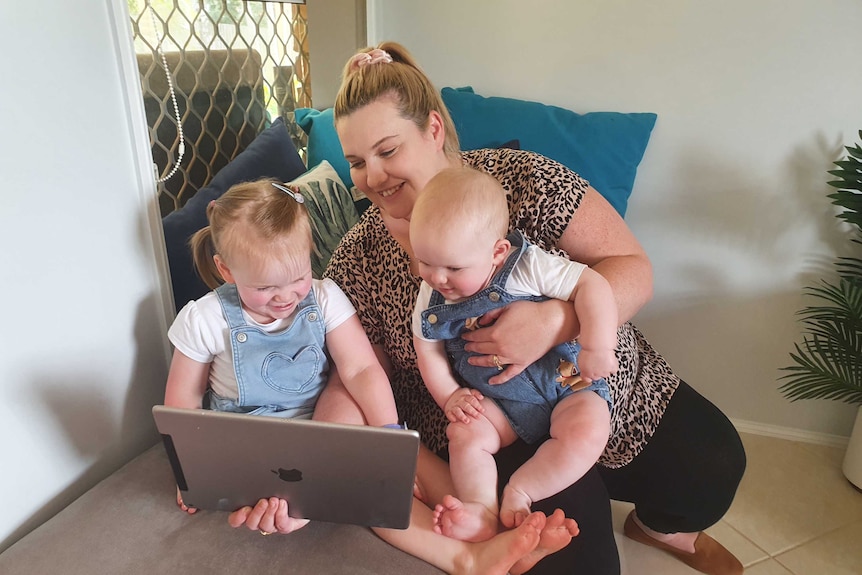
pixel 764 217
pixel 81 409
pixel 731 349
pixel 806 166
pixel 727 321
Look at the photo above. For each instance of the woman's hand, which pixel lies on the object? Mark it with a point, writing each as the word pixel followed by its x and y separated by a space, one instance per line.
pixel 268 516
pixel 519 334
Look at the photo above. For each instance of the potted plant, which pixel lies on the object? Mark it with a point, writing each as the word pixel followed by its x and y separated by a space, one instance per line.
pixel 828 362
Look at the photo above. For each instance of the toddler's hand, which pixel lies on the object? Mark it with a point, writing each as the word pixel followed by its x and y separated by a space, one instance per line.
pixel 597 363
pixel 183 506
pixel 464 404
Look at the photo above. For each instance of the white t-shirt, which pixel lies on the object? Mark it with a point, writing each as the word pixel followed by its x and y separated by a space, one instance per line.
pixel 537 273
pixel 200 331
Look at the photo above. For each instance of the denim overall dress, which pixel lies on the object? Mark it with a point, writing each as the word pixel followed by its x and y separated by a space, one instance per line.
pixel 527 399
pixel 280 374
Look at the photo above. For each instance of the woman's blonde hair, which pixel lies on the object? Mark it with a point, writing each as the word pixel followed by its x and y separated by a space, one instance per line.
pixel 252 221
pixel 401 78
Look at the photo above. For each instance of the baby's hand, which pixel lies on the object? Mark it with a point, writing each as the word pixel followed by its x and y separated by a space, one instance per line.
pixel 183 506
pixel 597 363
pixel 464 404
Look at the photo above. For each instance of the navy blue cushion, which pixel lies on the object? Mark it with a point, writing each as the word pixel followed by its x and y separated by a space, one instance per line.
pixel 270 154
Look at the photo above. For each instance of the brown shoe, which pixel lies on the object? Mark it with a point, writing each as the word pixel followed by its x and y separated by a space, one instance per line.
pixel 709 555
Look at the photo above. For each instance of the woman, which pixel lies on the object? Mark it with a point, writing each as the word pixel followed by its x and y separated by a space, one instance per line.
pixel 671 452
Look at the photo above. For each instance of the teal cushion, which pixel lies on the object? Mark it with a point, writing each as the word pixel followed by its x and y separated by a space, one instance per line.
pixel 323 143
pixel 603 147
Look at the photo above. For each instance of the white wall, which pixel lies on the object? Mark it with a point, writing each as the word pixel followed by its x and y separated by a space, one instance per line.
pixel 754 101
pixel 336 29
pixel 84 355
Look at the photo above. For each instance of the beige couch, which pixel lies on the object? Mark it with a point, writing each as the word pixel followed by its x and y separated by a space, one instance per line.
pixel 129 525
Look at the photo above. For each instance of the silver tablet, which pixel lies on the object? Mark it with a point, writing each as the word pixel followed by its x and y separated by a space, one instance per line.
pixel 326 471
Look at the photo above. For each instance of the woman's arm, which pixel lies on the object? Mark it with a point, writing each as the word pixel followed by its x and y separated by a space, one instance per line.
pixel 361 372
pixel 523 332
pixel 597 236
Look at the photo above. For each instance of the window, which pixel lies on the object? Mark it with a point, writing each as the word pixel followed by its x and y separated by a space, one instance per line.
pixel 234 66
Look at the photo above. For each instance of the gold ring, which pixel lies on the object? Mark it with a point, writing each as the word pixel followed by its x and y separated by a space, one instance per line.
pixel 497 362
pixel 262 532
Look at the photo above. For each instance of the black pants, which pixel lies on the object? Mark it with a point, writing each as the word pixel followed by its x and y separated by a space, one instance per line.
pixel 684 480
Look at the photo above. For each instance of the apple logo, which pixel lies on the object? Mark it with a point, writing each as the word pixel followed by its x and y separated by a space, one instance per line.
pixel 288 474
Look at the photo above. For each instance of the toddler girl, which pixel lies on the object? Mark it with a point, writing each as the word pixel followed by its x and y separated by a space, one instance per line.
pixel 261 341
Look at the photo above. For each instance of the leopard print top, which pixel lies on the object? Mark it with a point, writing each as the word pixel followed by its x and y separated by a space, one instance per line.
pixel 374 272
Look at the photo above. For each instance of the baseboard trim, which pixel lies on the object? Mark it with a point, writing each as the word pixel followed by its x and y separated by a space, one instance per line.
pixel 789 433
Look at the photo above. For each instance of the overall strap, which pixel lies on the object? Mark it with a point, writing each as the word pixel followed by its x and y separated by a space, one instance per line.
pixel 309 300
pixel 520 243
pixel 231 305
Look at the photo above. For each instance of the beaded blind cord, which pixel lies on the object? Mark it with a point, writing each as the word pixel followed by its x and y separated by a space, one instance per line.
pixel 182 146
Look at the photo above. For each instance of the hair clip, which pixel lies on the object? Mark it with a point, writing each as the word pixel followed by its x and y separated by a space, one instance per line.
pixel 374 56
pixel 295 195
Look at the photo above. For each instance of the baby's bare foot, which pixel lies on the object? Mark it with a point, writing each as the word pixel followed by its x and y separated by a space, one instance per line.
pixel 465 521
pixel 514 507
pixel 557 533
pixel 499 554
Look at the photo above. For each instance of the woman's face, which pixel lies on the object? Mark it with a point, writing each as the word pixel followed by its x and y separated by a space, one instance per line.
pixel 390 158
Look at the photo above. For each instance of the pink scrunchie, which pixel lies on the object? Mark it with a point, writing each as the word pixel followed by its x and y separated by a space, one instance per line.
pixel 375 56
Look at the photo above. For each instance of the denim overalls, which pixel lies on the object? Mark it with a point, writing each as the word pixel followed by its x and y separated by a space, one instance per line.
pixel 527 399
pixel 280 374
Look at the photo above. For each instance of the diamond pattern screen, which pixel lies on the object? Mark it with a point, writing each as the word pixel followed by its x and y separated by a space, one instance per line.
pixel 234 65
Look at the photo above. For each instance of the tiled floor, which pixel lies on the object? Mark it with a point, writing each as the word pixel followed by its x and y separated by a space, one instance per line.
pixel 794 514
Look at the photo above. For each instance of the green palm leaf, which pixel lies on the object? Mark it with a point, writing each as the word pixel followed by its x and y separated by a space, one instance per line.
pixel 332 212
pixel 850 269
pixel 828 362
pixel 855 151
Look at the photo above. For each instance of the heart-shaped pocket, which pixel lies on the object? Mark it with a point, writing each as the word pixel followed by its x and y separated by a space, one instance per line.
pixel 293 375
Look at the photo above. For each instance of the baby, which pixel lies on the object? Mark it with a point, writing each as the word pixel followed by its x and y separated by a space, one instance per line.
pixel 470 266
